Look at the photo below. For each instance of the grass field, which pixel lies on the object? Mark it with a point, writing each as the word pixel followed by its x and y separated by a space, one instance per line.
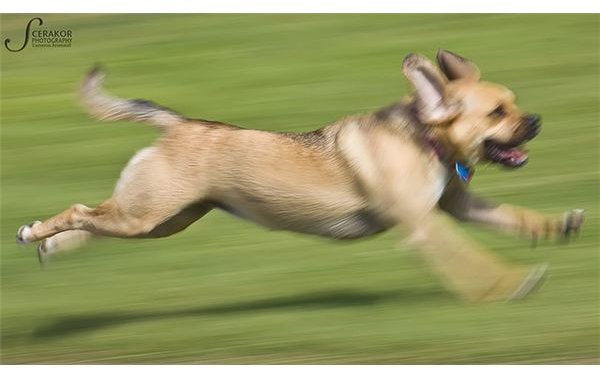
pixel 226 291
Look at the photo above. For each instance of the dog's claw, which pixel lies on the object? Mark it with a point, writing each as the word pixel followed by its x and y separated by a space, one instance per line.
pixel 572 222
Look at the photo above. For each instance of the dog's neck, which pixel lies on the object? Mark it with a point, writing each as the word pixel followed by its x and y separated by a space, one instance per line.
pixel 433 136
pixel 404 114
pixel 435 139
pixel 446 156
pixel 439 148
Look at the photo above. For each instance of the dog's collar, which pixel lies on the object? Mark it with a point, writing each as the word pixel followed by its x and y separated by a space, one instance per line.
pixel 464 173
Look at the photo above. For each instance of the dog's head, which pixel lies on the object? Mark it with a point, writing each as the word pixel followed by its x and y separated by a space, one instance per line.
pixel 478 120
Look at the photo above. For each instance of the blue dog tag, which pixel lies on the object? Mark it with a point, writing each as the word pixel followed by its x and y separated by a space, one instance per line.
pixel 464 173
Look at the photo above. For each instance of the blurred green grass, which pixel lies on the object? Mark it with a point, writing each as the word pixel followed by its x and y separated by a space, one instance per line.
pixel 226 291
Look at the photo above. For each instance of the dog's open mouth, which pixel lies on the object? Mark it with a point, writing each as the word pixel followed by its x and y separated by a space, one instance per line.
pixel 505 154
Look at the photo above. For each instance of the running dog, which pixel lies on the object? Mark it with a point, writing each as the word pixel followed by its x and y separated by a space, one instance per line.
pixel 405 165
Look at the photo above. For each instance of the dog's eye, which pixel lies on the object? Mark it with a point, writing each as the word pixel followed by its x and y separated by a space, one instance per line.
pixel 498 112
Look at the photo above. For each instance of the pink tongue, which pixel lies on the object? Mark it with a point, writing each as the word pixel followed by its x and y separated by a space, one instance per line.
pixel 513 155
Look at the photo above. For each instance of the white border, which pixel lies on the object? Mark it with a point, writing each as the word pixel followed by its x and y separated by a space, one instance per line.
pixel 301 6
pixel 295 367
pixel 298 367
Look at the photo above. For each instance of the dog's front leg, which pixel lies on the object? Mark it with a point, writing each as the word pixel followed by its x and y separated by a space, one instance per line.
pixel 465 206
pixel 472 272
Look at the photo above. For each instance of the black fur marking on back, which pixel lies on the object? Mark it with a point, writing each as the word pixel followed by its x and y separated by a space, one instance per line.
pixel 403 116
pixel 145 107
pixel 311 138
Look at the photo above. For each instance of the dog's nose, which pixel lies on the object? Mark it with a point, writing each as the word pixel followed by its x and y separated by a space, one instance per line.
pixel 533 123
pixel 533 119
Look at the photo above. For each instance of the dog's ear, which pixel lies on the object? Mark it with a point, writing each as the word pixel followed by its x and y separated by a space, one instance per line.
pixel 456 67
pixel 433 107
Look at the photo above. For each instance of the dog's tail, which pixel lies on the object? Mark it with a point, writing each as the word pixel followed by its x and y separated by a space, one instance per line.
pixel 104 107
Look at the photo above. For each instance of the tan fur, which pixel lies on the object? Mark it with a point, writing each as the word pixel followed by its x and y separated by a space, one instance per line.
pixel 359 176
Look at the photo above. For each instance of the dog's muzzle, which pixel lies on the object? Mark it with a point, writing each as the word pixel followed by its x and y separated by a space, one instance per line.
pixel 511 154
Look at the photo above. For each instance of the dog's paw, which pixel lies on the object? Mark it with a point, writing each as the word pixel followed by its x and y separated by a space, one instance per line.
pixel 572 222
pixel 536 277
pixel 24 234
pixel 559 228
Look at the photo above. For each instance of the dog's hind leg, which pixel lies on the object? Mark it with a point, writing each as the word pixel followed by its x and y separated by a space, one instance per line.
pixel 109 219
pixel 73 239
pixel 149 200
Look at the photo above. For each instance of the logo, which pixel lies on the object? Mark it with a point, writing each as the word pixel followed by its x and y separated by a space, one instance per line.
pixel 41 37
